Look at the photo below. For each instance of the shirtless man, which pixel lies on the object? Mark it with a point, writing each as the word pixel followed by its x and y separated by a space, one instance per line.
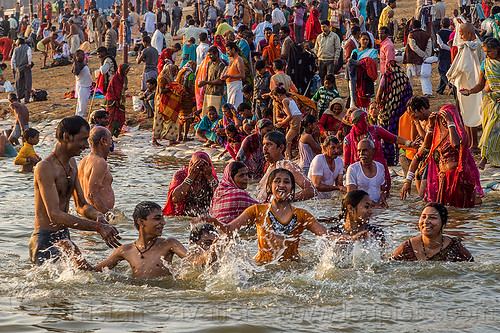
pixel 56 180
pixel 94 174
pixel 22 115
pixel 148 255
pixel 48 45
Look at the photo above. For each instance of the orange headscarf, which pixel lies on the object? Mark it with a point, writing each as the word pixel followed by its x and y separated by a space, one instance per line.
pixel 272 52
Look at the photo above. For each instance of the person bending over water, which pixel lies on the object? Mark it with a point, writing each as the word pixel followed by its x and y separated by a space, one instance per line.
pixel 356 212
pixel 192 188
pixel 432 245
pixel 94 174
pixel 148 255
pixel 56 180
pixel 279 224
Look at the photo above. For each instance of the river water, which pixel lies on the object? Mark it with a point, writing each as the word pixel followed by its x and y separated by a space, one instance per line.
pixel 324 292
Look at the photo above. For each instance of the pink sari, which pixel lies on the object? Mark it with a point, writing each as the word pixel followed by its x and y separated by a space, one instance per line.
pixel 229 201
pixel 454 192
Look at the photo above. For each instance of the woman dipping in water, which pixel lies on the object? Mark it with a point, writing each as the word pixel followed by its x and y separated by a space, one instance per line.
pixel 432 245
pixel 356 212
pixel 192 188
pixel 279 224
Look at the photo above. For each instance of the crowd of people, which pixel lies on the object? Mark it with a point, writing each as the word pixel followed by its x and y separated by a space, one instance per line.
pixel 261 81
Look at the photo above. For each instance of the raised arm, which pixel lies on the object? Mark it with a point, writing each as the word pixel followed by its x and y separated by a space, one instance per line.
pixel 230 227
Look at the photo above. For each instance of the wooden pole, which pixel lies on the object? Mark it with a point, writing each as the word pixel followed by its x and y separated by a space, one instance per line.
pixel 125 29
pixel 31 10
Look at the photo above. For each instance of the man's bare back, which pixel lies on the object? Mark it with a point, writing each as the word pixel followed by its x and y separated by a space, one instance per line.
pixel 21 113
pixel 96 181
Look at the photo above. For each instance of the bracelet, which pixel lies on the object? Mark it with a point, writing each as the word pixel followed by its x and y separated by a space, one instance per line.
pixel 109 216
pixel 188 181
pixel 408 143
pixel 213 183
pixel 452 125
pixel 410 175
pixel 98 224
pixel 430 130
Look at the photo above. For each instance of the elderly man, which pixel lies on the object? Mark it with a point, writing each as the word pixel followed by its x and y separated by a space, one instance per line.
pixel 56 181
pixel 274 145
pixel 93 171
pixel 367 174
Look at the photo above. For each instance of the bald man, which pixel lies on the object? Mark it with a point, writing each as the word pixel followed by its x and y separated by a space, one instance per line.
pixel 94 173
pixel 464 74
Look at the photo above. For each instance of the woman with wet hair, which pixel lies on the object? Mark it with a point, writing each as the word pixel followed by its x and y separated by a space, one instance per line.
pixel 279 224
pixel 356 212
pixel 432 245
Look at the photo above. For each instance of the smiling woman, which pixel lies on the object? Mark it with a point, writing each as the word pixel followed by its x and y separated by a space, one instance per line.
pixel 432 245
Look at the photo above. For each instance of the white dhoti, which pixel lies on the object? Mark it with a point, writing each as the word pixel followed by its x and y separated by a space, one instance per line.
pixel 234 93
pixel 415 70
pixel 83 94
pixel 74 43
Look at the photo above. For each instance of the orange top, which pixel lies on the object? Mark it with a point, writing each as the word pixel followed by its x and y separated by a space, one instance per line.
pixel 233 70
pixel 407 131
pixel 278 239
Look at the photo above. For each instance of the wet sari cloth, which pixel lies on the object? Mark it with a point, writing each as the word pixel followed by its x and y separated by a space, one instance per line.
pixel 490 139
pixel 271 52
pixel 184 78
pixel 251 152
pixel 455 251
pixel 115 100
pixel 167 106
pixel 178 208
pixel 457 187
pixel 229 201
pixel 361 130
pixel 395 94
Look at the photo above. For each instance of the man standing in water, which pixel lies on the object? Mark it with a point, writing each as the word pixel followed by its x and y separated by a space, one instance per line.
pixel 94 174
pixel 56 180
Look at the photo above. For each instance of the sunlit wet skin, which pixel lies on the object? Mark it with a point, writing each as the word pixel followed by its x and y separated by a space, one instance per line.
pixel 360 292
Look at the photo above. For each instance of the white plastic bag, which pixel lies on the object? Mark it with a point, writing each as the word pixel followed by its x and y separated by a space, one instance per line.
pixel 8 87
pixel 137 103
pixel 426 70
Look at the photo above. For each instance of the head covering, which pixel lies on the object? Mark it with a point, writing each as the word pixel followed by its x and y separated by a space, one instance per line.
pixel 116 88
pixel 166 57
pixel 187 69
pixel 177 208
pixel 167 73
pixel 359 120
pixel 220 42
pixel 342 114
pixel 229 201
pixel 264 122
pixel 273 52
pixel 313 27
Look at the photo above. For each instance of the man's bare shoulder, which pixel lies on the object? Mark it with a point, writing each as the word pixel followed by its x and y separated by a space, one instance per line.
pixel 45 167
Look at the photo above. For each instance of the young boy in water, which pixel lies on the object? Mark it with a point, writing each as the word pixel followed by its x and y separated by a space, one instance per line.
pixel 148 254
pixel 27 158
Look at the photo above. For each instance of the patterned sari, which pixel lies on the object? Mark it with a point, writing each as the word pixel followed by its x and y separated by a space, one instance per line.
pixel 186 78
pixel 396 93
pixel 115 100
pixel 167 106
pixel 490 139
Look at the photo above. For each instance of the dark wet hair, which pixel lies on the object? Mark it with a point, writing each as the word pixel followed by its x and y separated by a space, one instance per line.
pixel 492 43
pixel 352 198
pixel 232 45
pixel 199 230
pixel 416 24
pixel 308 120
pixel 142 211
pixel 213 50
pixel 99 114
pixel 277 137
pixel 30 133
pixel 246 90
pixel 442 211
pixel 260 64
pixel 235 167
pixel 418 102
pixel 71 125
pixel 273 175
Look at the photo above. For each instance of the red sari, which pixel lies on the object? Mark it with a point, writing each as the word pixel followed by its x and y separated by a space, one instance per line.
pixel 115 100
pixel 165 58
pixel 313 27
pixel 177 208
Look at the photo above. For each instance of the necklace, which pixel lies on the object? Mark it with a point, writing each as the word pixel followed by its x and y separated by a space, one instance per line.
pixel 68 174
pixel 146 250
pixel 423 246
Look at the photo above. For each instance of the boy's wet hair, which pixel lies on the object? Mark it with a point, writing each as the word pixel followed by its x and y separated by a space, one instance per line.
pixel 199 230
pixel 30 133
pixel 142 211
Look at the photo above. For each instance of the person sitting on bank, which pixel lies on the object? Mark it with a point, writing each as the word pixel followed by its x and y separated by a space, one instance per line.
pixel 432 245
pixel 148 255
pixel 206 129
pixel 192 187
pixel 27 158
